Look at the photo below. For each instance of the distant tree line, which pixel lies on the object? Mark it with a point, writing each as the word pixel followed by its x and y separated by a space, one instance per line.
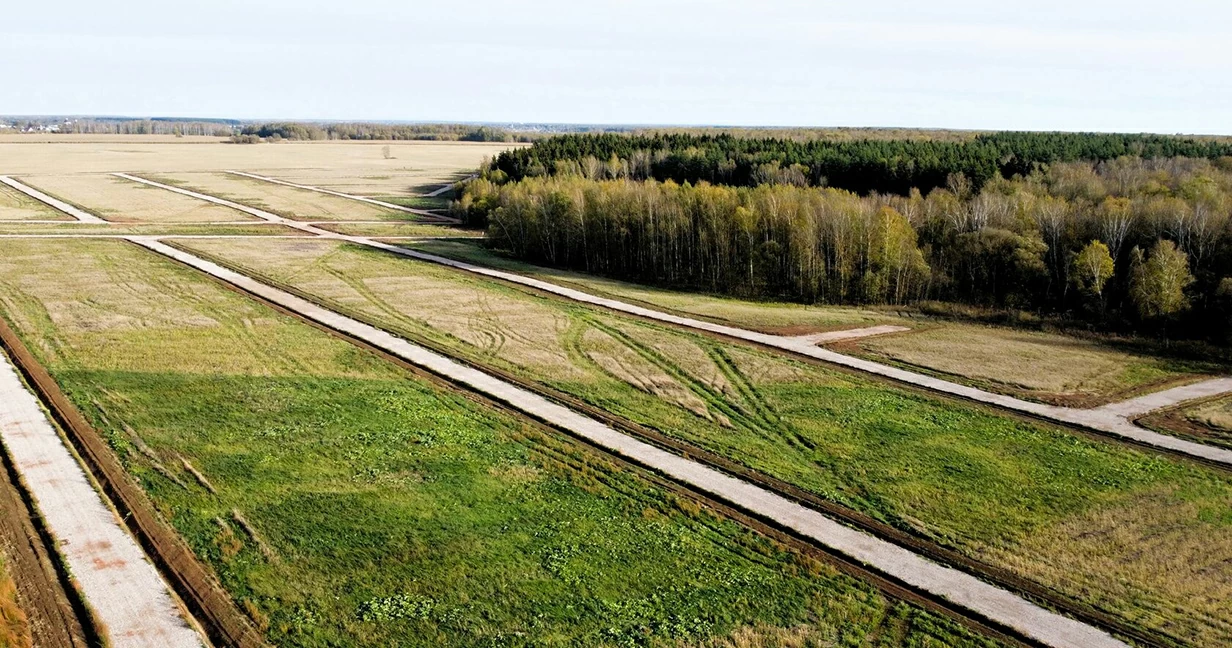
pixel 164 126
pixel 363 131
pixel 1127 243
pixel 863 166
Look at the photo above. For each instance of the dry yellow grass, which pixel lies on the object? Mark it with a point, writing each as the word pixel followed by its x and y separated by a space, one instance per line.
pixel 1051 367
pixel 380 230
pixel 16 206
pixel 624 363
pixel 124 201
pixel 14 628
pixel 1215 414
pixel 511 327
pixel 289 202
pixel 1146 539
pixel 353 167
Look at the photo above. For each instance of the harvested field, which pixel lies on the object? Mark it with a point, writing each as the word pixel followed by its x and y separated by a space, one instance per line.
pixel 1040 366
pixel 379 230
pixel 953 473
pixel 360 167
pixel 288 202
pixel 257 228
pixel 343 500
pixel 16 206
pixel 770 317
pixel 123 201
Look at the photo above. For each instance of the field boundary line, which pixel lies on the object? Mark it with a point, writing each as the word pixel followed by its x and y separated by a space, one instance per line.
pixel 210 604
pixel 263 215
pixel 372 201
pixel 134 605
pixel 1094 419
pixel 977 597
pixel 81 215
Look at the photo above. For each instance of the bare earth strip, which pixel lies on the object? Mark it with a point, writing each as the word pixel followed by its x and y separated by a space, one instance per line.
pixel 82 216
pixel 1099 420
pixel 966 591
pixel 125 592
pixel 1169 397
pixel 372 201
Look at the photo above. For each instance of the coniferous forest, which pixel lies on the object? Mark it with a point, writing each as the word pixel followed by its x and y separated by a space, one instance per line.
pixel 1130 233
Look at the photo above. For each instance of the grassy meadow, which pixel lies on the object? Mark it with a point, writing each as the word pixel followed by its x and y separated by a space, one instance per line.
pixel 1034 365
pixel 1039 366
pixel 123 201
pixel 771 317
pixel 1129 532
pixel 344 501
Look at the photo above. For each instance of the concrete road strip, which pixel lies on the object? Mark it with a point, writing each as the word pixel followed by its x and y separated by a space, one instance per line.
pixel 963 590
pixel 370 201
pixel 850 334
pixel 123 589
pixel 259 213
pixel 81 216
pixel 1095 419
pixel 1169 397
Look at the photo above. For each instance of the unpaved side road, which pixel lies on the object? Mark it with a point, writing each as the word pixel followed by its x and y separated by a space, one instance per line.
pixel 82 216
pixel 1100 420
pixel 961 589
pixel 134 606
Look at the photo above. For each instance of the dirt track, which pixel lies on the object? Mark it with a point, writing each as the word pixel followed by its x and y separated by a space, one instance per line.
pixel 55 621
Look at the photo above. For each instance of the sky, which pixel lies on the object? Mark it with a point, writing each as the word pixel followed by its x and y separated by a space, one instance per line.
pixel 1043 65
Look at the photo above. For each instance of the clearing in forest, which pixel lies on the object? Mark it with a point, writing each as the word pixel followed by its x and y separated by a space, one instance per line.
pixel 342 499
pixel 988 485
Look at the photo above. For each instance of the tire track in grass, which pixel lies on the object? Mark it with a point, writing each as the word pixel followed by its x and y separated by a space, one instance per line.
pixel 945 585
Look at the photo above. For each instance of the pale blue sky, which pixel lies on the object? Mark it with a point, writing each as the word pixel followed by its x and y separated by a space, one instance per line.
pixel 1049 64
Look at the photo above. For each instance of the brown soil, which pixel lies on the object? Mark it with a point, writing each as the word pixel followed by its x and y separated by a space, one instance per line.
pixel 53 614
pixel 1173 421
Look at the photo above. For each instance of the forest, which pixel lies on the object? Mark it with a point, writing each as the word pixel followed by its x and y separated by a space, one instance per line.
pixel 863 166
pixel 1128 244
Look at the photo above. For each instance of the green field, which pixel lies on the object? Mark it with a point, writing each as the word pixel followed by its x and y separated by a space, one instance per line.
pixel 344 501
pixel 1129 532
